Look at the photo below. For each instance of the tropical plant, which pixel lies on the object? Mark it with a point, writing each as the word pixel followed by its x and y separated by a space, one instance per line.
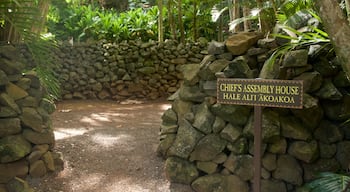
pixel 329 182
pixel 20 25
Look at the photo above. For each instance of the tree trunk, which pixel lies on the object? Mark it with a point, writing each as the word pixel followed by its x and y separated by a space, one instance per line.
pixel 236 14
pixel 160 21
pixel 338 29
pixel 181 25
pixel 246 23
pixel 195 28
pixel 171 18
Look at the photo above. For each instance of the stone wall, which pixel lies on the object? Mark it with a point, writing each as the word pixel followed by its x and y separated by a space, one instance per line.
pixel 26 136
pixel 209 145
pixel 130 69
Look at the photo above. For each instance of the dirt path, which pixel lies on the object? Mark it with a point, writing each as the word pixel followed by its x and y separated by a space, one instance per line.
pixel 108 147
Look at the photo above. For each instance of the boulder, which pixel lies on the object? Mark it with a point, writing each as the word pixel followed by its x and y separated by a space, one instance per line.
pixel 178 170
pixel 18 185
pixel 296 58
pixel 328 132
pixel 3 78
pixel 271 185
pixel 208 148
pixel 234 114
pixel 216 48
pixel 13 169
pixel 239 43
pixel 343 154
pixel 293 128
pixel 305 151
pixel 231 133
pixel 289 170
pixel 204 119
pixel 32 119
pixel 15 92
pixel 45 137
pixel 219 183
pixel 13 147
pixel 9 126
pixel 186 140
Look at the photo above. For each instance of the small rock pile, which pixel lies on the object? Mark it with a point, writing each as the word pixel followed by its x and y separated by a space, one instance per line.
pixel 210 145
pixel 26 136
pixel 132 69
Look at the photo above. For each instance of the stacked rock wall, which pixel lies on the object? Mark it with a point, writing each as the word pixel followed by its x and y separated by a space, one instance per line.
pixel 130 69
pixel 209 145
pixel 26 136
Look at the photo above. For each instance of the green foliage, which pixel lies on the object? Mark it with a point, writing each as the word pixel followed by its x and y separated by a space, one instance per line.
pixel 89 22
pixel 23 16
pixel 330 182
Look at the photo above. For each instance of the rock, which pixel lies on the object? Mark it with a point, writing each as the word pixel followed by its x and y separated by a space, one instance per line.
pixel 7 101
pixel 182 108
pixel 18 185
pixel 296 58
pixel 293 128
pixel 241 146
pixel 208 148
pixel 341 80
pixel 327 150
pixel 312 81
pixel 204 119
pixel 220 158
pixel 104 94
pixel 31 118
pixel 278 147
pixel 191 93
pixel 337 110
pixel 311 114
pixel 268 43
pixel 3 78
pixel 11 67
pixel 305 151
pixel 235 114
pixel 311 171
pixel 239 68
pixel 9 126
pixel 7 112
pixel 15 92
pixel 288 170
pixel 190 72
pixel 239 43
pixel 219 183
pixel 219 124
pixel 329 91
pixel 24 83
pixel 325 67
pixel 179 61
pixel 44 137
pixel 169 117
pixel 218 65
pixel 37 169
pixel 178 170
pixel 186 140
pixel 147 70
pixel 343 154
pixel 271 185
pixel 207 167
pixel 28 101
pixel 328 132
pixel 48 105
pixel 270 126
pixel 11 170
pixel 231 133
pixel 241 165
pixel 13 147
pixel 216 48
pixel 165 143
pixel 269 161
pixel 49 161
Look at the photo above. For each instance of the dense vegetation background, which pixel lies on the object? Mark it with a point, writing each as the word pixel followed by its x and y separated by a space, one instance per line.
pixel 40 24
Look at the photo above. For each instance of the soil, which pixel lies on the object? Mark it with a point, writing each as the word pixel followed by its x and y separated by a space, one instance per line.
pixel 108 147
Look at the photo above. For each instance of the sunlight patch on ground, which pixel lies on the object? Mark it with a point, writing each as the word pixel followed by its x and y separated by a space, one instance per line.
pixel 109 141
pixel 120 186
pixel 165 106
pixel 64 133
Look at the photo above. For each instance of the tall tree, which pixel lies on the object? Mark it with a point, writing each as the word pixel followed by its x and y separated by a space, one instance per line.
pixel 338 28
pixel 180 20
pixel 160 21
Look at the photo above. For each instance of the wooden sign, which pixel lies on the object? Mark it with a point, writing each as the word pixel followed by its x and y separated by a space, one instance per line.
pixel 260 92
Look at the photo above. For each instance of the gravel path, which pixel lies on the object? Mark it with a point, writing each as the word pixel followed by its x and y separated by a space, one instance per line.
pixel 108 147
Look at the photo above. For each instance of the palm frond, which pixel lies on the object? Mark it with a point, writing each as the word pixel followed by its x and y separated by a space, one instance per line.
pixel 329 182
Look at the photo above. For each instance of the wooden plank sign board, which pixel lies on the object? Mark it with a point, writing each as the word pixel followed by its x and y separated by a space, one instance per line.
pixel 260 92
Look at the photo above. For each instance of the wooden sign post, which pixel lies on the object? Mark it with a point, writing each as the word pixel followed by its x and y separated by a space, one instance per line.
pixel 260 93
